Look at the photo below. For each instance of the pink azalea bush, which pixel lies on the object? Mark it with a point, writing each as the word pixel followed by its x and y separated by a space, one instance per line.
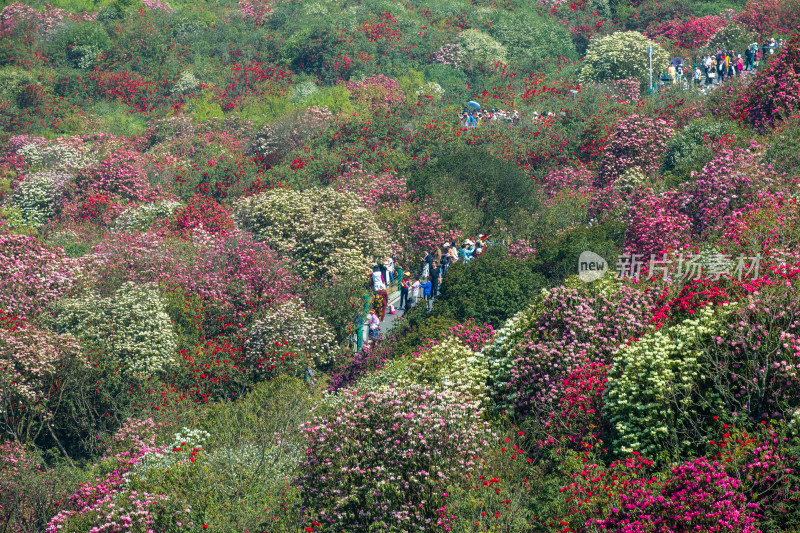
pixel 637 141
pixel 657 225
pixel 31 274
pixel 121 173
pixel 767 17
pixel 234 274
pixel 388 456
pixel 376 92
pixel 727 183
pixel 587 333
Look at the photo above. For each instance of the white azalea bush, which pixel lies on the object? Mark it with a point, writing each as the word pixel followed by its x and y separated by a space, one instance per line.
pixel 39 195
pixel 329 234
pixel 132 326
pixel 450 366
pixel 480 49
pixel 657 398
pixel 144 216
pixel 622 55
pixel 55 155
pixel 384 458
pixel 289 327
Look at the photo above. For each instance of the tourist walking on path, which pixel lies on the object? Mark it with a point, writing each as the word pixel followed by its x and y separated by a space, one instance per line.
pixel 435 273
pixel 405 286
pixel 426 292
pixel 374 326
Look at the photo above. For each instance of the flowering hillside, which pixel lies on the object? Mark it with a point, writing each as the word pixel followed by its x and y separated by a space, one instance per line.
pixel 358 266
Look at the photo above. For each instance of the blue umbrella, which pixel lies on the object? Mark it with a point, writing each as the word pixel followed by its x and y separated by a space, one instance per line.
pixel 474 105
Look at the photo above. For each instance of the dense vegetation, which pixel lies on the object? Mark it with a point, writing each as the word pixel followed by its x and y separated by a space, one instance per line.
pixel 193 193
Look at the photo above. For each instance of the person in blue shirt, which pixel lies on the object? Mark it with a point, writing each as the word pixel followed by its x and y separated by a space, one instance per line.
pixel 426 291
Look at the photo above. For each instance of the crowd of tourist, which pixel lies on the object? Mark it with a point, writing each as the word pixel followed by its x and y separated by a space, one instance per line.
pixel 422 284
pixel 711 70
pixel 471 118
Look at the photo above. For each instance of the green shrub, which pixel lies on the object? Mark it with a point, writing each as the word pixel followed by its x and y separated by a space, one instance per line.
pixel 489 289
pixel 558 255
pixel 688 150
pixel 784 148
pixel 480 49
pixel 77 44
pixel 493 188
pixel 533 41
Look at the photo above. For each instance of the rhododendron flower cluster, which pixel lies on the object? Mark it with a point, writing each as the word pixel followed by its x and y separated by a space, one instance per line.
pixel 384 452
pixel 376 92
pixel 328 233
pixel 540 361
pixel 774 95
pixel 289 327
pixel 691 33
pixel 31 275
pixel 637 141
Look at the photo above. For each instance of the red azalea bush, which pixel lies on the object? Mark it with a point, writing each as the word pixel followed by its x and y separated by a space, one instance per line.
pixel 204 213
pixel 691 33
pixel 578 415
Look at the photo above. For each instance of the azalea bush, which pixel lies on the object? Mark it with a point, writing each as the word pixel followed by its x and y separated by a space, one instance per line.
pixel 31 274
pixel 328 233
pixel 289 327
pixel 772 97
pixel 657 399
pixel 420 442
pixel 132 327
pixel 622 55
pixel 637 141
pixel 31 360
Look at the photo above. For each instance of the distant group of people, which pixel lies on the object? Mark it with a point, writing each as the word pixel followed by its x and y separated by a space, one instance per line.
pixel 422 286
pixel 712 70
pixel 470 118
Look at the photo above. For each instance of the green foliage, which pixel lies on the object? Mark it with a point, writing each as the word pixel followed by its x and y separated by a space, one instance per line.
pixel 493 188
pixel 688 150
pixel 336 99
pixel 13 79
pixel 203 108
pixel 622 55
pixel 784 148
pixel 558 255
pixel 489 289
pixel 339 302
pixel 409 336
pixel 77 44
pixel 115 118
pixel 732 36
pixel 533 41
